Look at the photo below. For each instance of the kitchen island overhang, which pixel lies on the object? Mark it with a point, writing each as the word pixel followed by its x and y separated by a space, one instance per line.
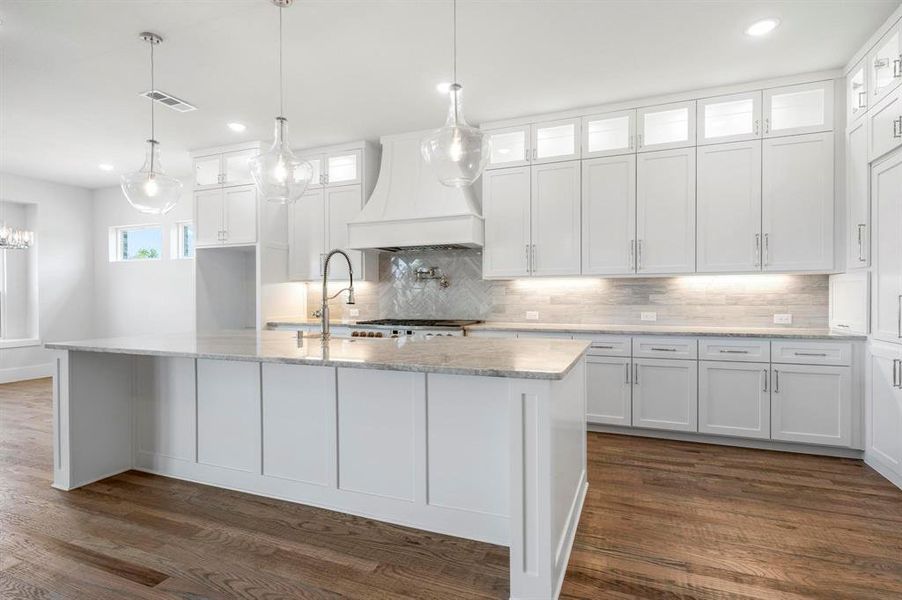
pixel 479 438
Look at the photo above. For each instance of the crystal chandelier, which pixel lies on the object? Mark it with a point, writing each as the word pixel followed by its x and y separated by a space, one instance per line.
pixel 149 189
pixel 458 152
pixel 281 177
pixel 14 238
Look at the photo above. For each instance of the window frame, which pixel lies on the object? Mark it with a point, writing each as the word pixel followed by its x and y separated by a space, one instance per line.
pixel 177 245
pixel 116 248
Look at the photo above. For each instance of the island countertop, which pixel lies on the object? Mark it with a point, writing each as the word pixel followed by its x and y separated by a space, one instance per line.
pixel 515 358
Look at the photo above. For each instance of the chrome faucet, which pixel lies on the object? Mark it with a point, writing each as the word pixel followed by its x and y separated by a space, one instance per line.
pixel 324 311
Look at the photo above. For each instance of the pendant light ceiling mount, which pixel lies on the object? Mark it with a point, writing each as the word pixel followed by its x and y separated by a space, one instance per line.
pixel 151 38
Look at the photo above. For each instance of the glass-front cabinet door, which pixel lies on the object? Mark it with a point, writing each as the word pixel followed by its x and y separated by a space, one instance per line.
pixel 207 170
pixel 343 168
pixel 885 62
pixel 794 109
pixel 555 141
pixel 609 134
pixel 510 147
pixel 236 167
pixel 666 126
pixel 734 118
pixel 857 91
pixel 317 177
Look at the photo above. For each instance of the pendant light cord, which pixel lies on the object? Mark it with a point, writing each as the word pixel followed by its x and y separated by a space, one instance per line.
pixel 281 76
pixel 454 42
pixel 153 91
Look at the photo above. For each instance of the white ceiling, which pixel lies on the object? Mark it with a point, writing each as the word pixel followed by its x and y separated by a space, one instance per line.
pixel 356 69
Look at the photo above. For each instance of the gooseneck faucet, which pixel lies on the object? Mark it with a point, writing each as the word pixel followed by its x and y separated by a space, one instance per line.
pixel 326 297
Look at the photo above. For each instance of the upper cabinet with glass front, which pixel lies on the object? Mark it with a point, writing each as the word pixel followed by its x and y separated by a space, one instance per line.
pixel 610 134
pixel 335 168
pixel 224 168
pixel 885 64
pixel 795 109
pixel 733 118
pixel 857 91
pixel 538 143
pixel 510 147
pixel 666 126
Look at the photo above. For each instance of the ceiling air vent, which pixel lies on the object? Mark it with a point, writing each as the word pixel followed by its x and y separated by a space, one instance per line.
pixel 168 100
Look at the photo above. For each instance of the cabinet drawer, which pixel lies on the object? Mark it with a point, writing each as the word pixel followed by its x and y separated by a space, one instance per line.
pixel 665 347
pixel 606 345
pixel 733 349
pixel 811 353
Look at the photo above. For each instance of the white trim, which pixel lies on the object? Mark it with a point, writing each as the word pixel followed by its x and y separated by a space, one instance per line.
pixel 25 373
pixel 115 242
pixel 19 343
pixel 885 471
pixel 204 152
pixel 872 41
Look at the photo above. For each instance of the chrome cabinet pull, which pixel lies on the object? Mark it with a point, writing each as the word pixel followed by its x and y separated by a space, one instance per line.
pixel 897 368
pixel 764 372
pixel 603 347
pixel 766 249
pixel 776 381
pixel 862 99
pixel 627 369
pixel 636 373
pixel 895 373
pixel 897 67
pixel 534 258
pixel 842 325
pixel 767 125
pixel 819 354
pixel 639 138
pixel 756 126
pixel 860 241
pixel 757 249
pixel 528 261
pixel 526 154
pixel 897 127
pixel 632 243
pixel 535 153
pixel 639 255
pixel 734 352
pixel 664 349
pixel 632 141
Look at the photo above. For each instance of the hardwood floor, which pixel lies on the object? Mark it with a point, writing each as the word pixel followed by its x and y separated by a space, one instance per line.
pixel 662 520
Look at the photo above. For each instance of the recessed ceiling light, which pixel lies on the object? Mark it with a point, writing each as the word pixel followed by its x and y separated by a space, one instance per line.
pixel 762 27
pixel 237 127
pixel 105 167
pixel 443 87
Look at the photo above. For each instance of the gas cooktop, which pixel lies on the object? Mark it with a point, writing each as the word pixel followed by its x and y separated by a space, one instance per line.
pixel 453 323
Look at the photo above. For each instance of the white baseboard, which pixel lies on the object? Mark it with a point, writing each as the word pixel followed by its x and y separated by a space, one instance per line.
pixel 884 470
pixel 723 440
pixel 24 373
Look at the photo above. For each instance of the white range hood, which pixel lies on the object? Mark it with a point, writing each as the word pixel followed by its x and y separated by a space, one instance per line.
pixel 410 209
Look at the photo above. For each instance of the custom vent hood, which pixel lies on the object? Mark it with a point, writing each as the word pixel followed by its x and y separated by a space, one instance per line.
pixel 410 210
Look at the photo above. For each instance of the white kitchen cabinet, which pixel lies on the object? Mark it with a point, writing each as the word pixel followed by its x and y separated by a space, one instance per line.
pixel 609 215
pixel 555 141
pixel 224 168
pixel 729 207
pixel 342 205
pixel 857 91
pixel 797 203
pixel 811 404
pixel 506 209
pixel 665 394
pixel 555 217
pixel 609 390
pixel 665 212
pixel 228 414
pixel 510 147
pixel 850 301
pixel 731 118
pixel 885 64
pixel 734 399
pixel 226 216
pixel 666 126
pixel 609 134
pixel 886 191
pixel 883 409
pixel 798 109
pixel 885 125
pixel 335 168
pixel 858 217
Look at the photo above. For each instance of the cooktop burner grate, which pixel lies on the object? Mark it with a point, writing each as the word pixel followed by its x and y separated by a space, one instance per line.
pixel 419 322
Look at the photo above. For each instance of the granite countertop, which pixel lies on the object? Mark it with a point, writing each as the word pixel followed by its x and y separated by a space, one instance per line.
pixel 527 359
pixel 764 332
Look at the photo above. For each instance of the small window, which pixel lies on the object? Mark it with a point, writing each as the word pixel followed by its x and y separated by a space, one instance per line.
pixel 142 242
pixel 184 240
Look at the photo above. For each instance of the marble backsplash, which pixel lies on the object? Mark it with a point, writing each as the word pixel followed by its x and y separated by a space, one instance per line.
pixel 716 300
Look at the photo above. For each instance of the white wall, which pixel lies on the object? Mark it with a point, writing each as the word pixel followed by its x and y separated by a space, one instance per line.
pixel 64 248
pixel 152 296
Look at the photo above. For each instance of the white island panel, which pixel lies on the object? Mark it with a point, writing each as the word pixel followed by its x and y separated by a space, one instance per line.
pixel 228 414
pixel 166 405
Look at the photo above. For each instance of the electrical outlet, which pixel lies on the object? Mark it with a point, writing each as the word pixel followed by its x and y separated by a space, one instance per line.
pixel 783 319
pixel 649 316
pixel 532 315
pixel 355 312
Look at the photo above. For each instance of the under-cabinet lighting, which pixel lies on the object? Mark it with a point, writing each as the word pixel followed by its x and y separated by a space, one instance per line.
pixel 237 127
pixel 734 283
pixel 762 27
pixel 558 283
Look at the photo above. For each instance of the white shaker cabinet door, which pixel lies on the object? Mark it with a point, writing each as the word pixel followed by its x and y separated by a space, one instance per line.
pixel 812 404
pixel 884 406
pixel 343 204
pixel 555 141
pixel 343 168
pixel 857 91
pixel 608 390
pixel 510 147
pixel 208 226
pixel 556 218
pixel 797 203
pixel 885 64
pixel 207 171
pixel 505 207
pixel 307 241
pixel 886 190
pixel 734 399
pixel 609 134
pixel 885 125
pixel 729 207
pixel 797 109
pixel 609 215
pixel 240 214
pixel 236 167
pixel 857 200
pixel 666 126
pixel 665 211
pixel 665 394
pixel 731 118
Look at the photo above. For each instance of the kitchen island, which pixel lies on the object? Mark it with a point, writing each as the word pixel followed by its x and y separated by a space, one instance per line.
pixel 478 438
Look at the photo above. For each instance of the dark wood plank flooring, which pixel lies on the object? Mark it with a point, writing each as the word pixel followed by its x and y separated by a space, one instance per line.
pixel 662 520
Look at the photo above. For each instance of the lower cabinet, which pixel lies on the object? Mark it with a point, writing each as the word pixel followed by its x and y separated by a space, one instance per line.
pixel 734 399
pixel 609 390
pixel 884 408
pixel 811 404
pixel 665 394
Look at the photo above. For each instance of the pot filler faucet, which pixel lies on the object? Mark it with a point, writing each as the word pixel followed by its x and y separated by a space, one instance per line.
pixel 350 289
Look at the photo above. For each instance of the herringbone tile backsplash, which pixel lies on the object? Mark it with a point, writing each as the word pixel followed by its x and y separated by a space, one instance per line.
pixel 731 300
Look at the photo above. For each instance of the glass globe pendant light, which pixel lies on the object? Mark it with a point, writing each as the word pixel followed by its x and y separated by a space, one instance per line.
pixel 281 177
pixel 149 189
pixel 458 152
